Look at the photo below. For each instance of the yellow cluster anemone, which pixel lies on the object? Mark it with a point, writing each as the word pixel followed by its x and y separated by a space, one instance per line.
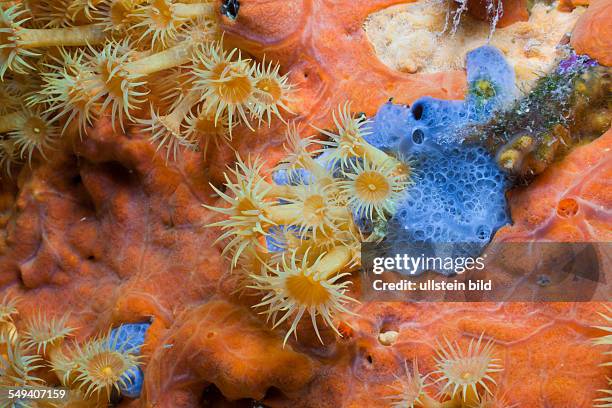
pixel 33 355
pixel 464 372
pixel 65 65
pixel 100 366
pixel 17 366
pixel 8 309
pixel 42 333
pixel 297 241
pixel 462 380
pixel 410 393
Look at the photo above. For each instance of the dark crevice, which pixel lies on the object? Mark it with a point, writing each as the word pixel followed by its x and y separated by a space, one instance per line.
pixel 229 8
pixel 213 398
pixel 118 173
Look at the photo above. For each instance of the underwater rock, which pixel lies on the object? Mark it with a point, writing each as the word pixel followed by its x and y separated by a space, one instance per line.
pixel 131 337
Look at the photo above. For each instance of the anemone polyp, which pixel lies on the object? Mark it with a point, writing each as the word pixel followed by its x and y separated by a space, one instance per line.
pixel 17 42
pixel 8 308
pixel 298 149
pixel 200 127
pixel 348 141
pixel 117 87
pixel 16 368
pixel 271 92
pixel 463 372
pixel 488 401
pixel 162 21
pixel 606 340
pixel 165 133
pixel 246 214
pixel 55 14
pixel 605 401
pixel 30 130
pixel 373 187
pixel 102 365
pixel 42 333
pixel 226 82
pixel 9 155
pixel 300 152
pixel 299 286
pixel 116 15
pixel 410 392
pixel 166 130
pixel 67 89
pixel 12 56
pixel 313 211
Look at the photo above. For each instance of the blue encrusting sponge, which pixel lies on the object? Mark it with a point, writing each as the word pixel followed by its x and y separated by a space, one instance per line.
pixel 131 337
pixel 458 195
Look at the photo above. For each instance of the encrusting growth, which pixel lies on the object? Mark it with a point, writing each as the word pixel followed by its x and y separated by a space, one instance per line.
pixel 306 226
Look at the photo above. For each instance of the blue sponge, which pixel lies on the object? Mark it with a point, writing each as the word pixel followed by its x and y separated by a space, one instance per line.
pixel 389 125
pixel 432 122
pixel 458 194
pixel 130 337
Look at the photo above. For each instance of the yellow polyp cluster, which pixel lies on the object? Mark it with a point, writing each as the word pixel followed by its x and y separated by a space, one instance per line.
pixel 297 241
pixel 462 380
pixel 91 371
pixel 72 62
